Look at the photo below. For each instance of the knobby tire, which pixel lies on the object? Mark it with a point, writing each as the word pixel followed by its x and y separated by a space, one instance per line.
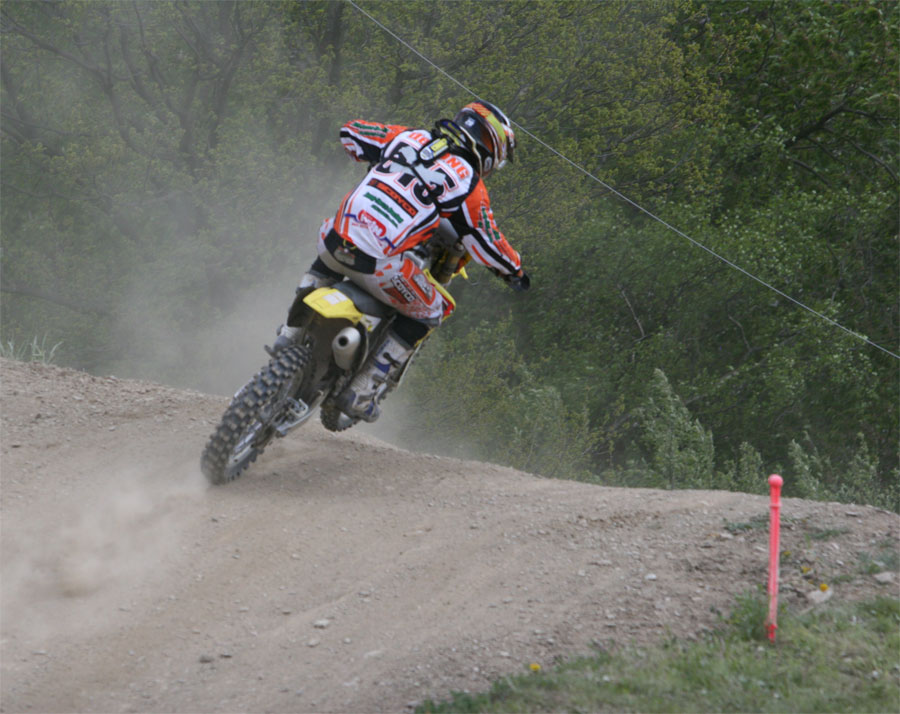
pixel 247 411
pixel 334 420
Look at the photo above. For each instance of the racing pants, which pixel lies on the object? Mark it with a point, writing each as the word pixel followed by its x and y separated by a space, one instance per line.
pixel 398 281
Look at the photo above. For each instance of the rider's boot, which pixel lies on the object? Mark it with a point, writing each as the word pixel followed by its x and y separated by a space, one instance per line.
pixel 359 399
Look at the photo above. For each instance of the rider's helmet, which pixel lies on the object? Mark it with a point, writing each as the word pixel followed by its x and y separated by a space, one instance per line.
pixel 487 133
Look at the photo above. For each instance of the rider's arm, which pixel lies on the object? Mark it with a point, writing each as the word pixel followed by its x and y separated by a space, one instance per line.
pixel 486 244
pixel 365 140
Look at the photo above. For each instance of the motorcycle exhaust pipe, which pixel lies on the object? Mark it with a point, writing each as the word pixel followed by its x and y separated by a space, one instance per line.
pixel 345 345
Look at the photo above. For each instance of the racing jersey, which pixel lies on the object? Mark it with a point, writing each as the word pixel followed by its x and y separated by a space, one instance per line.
pixel 393 210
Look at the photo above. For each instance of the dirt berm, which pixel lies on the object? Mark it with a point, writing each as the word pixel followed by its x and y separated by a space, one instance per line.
pixel 341 574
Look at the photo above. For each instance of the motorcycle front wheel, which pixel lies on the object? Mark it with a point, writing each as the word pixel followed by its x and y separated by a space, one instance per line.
pixel 252 419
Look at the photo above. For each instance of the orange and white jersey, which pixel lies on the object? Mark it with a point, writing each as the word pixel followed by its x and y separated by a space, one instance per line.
pixel 393 210
pixel 365 140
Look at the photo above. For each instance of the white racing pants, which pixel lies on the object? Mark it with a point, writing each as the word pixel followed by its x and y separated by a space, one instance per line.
pixel 397 280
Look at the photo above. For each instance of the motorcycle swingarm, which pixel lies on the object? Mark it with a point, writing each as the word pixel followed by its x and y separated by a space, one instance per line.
pixel 295 413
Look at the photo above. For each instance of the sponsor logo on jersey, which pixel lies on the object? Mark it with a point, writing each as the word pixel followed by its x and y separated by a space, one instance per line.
pixel 375 131
pixel 384 209
pixel 458 166
pixel 373 224
pixel 419 138
pixel 394 195
pixel 487 225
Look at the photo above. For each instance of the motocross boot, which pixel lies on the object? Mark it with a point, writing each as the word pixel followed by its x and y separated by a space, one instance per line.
pixel 360 398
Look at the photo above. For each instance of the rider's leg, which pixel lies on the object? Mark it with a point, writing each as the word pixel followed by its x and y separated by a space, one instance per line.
pixel 319 275
pixel 399 282
pixel 326 270
pixel 360 398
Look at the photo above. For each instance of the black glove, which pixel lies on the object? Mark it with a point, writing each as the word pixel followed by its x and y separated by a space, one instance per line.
pixel 519 283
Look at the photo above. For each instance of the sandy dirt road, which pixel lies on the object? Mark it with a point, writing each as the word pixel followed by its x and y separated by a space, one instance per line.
pixel 340 574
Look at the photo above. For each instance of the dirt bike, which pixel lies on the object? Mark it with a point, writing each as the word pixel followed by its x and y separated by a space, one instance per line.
pixel 339 327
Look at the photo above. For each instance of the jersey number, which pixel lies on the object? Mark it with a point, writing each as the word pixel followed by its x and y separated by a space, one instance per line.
pixel 407 177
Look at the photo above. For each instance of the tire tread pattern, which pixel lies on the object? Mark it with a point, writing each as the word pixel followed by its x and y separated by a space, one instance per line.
pixel 331 419
pixel 245 409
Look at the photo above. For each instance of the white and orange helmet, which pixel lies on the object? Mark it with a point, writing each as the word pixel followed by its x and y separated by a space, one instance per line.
pixel 489 133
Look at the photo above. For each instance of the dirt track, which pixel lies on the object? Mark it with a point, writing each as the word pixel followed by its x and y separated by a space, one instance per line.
pixel 340 574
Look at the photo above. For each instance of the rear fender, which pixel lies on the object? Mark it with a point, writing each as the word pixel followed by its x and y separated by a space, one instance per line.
pixel 332 304
pixel 348 302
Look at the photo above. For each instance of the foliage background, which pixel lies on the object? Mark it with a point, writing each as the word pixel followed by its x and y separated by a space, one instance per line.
pixel 165 166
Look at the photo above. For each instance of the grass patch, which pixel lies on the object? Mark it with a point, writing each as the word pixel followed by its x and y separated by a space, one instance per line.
pixel 834 659
pixel 756 523
pixel 884 559
pixel 827 533
pixel 34 351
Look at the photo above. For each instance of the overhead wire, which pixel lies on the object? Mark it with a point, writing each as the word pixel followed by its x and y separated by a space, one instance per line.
pixel 630 201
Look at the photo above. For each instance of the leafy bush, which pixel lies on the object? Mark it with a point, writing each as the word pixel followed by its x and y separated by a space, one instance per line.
pixel 746 474
pixel 474 397
pixel 812 475
pixel 680 450
pixel 747 619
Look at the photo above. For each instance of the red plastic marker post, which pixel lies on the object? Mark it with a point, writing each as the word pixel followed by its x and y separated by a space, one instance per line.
pixel 775 483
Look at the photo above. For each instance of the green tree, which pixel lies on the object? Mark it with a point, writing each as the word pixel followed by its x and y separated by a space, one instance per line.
pixel 165 166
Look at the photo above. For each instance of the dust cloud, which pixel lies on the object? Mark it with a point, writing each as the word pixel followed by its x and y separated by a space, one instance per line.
pixel 216 357
pixel 101 549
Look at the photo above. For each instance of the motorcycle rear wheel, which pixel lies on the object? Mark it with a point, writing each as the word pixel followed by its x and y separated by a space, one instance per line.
pixel 249 422
pixel 334 419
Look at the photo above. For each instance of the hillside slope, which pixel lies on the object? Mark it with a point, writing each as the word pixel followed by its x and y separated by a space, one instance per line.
pixel 340 573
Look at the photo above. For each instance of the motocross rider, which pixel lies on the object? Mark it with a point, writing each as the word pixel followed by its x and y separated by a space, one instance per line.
pixel 416 178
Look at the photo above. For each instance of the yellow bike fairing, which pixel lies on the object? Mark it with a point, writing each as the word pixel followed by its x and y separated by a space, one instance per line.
pixel 333 304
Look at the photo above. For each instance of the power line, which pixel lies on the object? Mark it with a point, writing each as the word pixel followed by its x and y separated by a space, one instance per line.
pixel 629 201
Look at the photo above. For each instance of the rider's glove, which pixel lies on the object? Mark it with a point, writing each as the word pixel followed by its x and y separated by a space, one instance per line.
pixel 519 283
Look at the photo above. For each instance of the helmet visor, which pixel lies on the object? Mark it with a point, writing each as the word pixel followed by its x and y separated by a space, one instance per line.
pixel 495 134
